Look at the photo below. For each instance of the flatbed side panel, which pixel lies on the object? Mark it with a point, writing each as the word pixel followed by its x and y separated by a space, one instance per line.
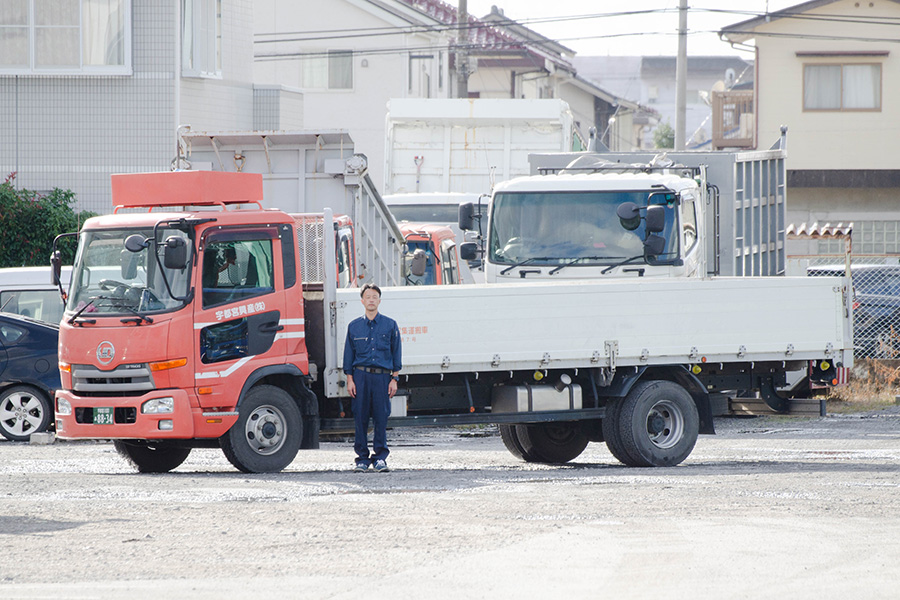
pixel 568 324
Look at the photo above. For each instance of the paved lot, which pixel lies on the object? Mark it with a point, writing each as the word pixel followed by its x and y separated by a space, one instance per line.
pixel 801 508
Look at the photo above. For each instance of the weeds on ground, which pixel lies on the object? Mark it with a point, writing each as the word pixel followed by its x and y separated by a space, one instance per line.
pixel 873 384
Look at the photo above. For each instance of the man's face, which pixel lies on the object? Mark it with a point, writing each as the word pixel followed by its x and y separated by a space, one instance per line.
pixel 371 300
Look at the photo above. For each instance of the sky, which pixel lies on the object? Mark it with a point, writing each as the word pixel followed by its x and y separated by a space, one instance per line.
pixel 643 34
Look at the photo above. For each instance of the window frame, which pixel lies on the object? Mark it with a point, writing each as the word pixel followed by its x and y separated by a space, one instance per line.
pixel 327 55
pixel 880 106
pixel 199 31
pixel 126 68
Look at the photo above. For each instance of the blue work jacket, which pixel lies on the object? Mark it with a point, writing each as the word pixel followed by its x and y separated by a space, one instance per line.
pixel 374 343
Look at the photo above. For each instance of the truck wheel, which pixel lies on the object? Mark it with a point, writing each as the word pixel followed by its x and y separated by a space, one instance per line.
pixel 23 410
pixel 267 434
pixel 658 424
pixel 612 436
pixel 160 457
pixel 510 436
pixel 552 442
pixel 511 441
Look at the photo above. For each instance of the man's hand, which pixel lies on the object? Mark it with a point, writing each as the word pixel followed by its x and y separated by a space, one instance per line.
pixel 351 387
pixel 392 388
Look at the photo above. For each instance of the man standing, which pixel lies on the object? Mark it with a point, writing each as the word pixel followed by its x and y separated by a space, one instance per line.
pixel 372 365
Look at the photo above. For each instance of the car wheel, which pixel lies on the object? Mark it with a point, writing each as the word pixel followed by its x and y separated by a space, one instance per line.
pixel 24 410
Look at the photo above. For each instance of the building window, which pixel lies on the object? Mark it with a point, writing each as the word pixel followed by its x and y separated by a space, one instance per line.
pixel 331 70
pixel 201 38
pixel 65 36
pixel 842 87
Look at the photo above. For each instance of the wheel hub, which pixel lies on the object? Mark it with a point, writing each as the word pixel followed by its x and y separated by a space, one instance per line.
pixel 265 430
pixel 656 424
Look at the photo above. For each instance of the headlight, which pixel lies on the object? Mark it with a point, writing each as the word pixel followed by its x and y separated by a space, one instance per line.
pixel 158 406
pixel 63 407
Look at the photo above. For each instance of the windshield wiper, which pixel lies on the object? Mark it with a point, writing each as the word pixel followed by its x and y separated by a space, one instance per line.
pixel 619 264
pixel 578 260
pixel 81 310
pixel 137 318
pixel 525 262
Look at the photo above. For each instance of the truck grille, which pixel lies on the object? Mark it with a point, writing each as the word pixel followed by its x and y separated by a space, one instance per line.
pixel 123 380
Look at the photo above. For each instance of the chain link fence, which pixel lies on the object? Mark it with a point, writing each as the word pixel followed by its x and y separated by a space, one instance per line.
pixel 876 298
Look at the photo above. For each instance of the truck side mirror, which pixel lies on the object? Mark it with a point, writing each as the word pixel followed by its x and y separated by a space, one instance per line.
pixel 129 265
pixel 419 262
pixel 467 216
pixel 468 251
pixel 655 221
pixel 175 254
pixel 629 215
pixel 55 267
pixel 136 242
pixel 654 245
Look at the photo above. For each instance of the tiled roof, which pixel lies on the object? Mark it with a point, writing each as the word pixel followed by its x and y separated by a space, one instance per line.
pixel 481 34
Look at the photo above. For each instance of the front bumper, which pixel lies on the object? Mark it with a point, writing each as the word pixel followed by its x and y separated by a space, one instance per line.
pixel 184 422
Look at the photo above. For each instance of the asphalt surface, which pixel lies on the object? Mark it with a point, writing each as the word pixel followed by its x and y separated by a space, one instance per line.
pixel 794 507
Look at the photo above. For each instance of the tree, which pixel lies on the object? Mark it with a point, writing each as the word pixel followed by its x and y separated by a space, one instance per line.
pixel 664 136
pixel 29 221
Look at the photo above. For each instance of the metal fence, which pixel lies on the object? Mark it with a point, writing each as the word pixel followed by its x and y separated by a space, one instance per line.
pixel 876 299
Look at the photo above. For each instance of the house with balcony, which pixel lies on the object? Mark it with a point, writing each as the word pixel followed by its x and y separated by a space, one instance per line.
pixel 650 82
pixel 830 72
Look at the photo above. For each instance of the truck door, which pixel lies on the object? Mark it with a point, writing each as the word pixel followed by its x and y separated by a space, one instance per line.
pixel 240 309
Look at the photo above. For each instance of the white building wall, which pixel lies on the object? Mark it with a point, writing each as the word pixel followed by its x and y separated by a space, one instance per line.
pixel 381 68
pixel 72 132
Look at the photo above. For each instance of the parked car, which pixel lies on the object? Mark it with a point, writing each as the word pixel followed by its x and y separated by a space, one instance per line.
pixel 876 307
pixel 29 375
pixel 27 291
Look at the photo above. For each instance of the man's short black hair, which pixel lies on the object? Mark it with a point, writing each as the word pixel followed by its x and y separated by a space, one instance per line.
pixel 370 286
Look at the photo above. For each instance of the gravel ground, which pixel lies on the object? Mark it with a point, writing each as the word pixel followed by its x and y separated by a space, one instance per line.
pixel 801 508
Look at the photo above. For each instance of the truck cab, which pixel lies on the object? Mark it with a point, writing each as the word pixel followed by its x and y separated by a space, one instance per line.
pixel 431 257
pixel 569 226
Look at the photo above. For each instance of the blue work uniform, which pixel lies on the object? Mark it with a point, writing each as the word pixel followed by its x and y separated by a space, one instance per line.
pixel 371 354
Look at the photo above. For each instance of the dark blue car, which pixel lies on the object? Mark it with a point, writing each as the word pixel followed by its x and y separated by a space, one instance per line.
pixel 29 375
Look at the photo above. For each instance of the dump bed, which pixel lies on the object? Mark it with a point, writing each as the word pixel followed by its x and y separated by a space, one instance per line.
pixel 611 323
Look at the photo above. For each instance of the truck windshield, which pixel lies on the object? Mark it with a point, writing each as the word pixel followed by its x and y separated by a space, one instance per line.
pixel 551 228
pixel 114 280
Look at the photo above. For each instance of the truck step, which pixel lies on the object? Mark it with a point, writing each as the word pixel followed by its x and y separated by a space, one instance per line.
pixel 799 407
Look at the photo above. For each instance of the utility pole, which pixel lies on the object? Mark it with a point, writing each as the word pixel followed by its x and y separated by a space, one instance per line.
pixel 462 41
pixel 681 76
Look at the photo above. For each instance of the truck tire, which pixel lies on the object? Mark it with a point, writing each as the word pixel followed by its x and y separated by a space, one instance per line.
pixel 658 424
pixel 511 441
pixel 510 436
pixel 267 434
pixel 160 457
pixel 612 436
pixel 552 442
pixel 24 410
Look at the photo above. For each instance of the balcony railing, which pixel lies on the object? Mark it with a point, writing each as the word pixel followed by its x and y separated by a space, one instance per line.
pixel 734 122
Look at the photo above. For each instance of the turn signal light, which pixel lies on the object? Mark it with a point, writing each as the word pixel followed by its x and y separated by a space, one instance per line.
pixel 168 364
pixel 824 365
pixel 65 367
pixel 696 369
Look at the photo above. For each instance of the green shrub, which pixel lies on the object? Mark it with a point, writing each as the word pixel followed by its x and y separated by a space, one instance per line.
pixel 29 221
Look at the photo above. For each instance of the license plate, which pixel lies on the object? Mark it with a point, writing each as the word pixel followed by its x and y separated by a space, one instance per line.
pixel 103 416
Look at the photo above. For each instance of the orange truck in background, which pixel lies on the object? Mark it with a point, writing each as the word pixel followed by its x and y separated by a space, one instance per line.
pixel 431 256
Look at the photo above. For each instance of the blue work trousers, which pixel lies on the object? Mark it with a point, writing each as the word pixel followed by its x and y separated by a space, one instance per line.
pixel 371 401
